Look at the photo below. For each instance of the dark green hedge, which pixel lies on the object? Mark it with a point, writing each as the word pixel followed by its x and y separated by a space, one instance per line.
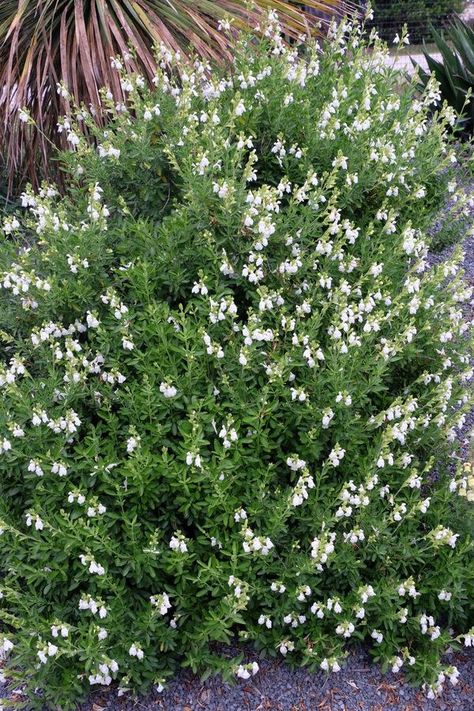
pixel 419 15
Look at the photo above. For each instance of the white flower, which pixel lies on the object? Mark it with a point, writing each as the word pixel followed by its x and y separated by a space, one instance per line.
pixel 192 458
pixel 132 444
pixel 59 468
pixel 136 651
pixel 5 445
pixel 228 436
pixel 242 672
pixel 240 515
pixel 336 455
pixel 6 646
pixel 168 390
pixel 340 162
pixel 317 609
pixel 92 321
pixel 286 646
pixel 245 671
pixel 298 394
pixel 345 629
pixel 444 595
pixel 199 288
pixel 295 463
pixel 178 543
pixel 278 587
pixel 34 466
pixel 242 358
pixel 403 615
pixel 327 417
pixel 203 164
pixel 265 620
pixel 222 189
pixel 453 674
pixel 366 593
pixel 240 108
pixel 59 630
pixel 42 656
pixel 397 663
pixel 96 568
pixel 38 523
pixel 377 635
pixel 161 602
pixel 23 115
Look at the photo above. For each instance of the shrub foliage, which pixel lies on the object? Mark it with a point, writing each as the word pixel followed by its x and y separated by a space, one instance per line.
pixel 231 381
pixel 419 15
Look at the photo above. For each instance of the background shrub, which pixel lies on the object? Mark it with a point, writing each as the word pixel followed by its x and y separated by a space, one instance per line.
pixel 418 15
pixel 221 411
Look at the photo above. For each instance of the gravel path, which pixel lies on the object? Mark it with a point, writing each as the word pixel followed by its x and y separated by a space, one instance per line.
pixel 467 442
pixel 360 686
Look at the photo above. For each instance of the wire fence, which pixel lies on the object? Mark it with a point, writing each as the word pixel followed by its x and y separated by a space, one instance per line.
pixel 420 16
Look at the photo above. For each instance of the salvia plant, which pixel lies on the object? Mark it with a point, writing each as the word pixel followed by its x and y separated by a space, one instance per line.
pixel 232 384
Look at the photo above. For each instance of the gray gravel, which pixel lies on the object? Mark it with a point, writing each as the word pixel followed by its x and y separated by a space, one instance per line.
pixel 360 686
pixel 466 438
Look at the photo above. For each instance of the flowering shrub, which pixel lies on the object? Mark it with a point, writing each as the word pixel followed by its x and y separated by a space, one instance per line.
pixel 222 407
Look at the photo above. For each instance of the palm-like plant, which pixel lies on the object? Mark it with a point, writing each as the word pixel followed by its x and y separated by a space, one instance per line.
pixel 43 42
